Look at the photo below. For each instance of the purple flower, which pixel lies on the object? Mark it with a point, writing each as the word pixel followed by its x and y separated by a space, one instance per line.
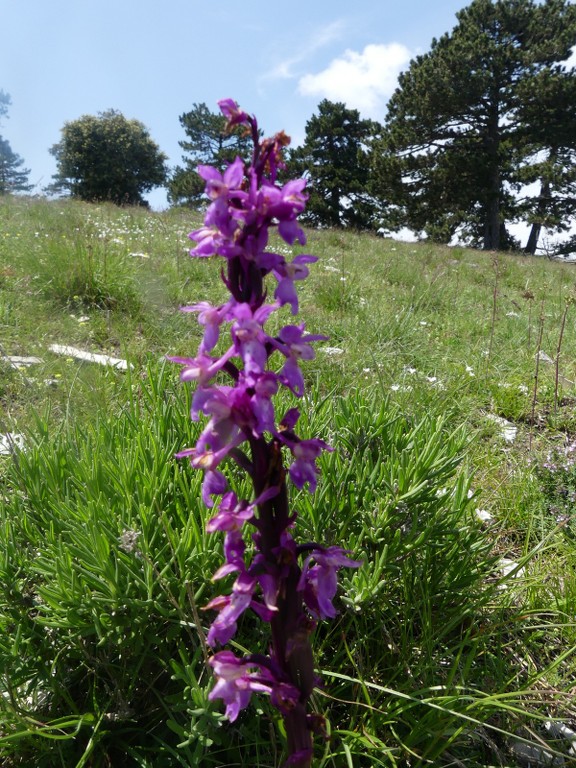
pixel 232 514
pixel 250 340
pixel 211 318
pixel 236 679
pixel 292 342
pixel 232 112
pixel 214 444
pixel 246 203
pixel 318 583
pixel 303 469
pixel 286 274
pixel 234 548
pixel 214 484
pixel 201 368
pixel 220 185
pixel 230 608
pixel 235 682
pixel 289 201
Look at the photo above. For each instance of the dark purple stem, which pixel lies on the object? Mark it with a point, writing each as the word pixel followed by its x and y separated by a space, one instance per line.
pixel 291 648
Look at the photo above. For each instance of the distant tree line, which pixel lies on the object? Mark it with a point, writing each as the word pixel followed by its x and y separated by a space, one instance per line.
pixel 479 135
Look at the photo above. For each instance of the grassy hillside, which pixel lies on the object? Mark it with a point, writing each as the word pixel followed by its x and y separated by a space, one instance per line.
pixel 448 390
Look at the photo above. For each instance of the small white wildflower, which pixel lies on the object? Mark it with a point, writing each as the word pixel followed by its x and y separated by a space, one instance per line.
pixel 411 370
pixel 432 379
pixel 332 351
pixel 330 268
pixel 470 370
pixel 366 370
pixel 484 516
pixel 423 322
pixel 523 388
pixel 395 387
pixel 343 279
pixel 512 314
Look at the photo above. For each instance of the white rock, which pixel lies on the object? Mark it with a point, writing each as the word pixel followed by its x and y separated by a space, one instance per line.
pixel 534 756
pixel 9 441
pixel 90 357
pixel 562 732
pixel 509 430
pixel 507 566
pixel 17 361
pixel 544 358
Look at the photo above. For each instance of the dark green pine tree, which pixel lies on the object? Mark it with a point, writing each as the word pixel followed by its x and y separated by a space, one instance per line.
pixel 208 143
pixel 13 178
pixel 548 107
pixel 456 139
pixel 335 158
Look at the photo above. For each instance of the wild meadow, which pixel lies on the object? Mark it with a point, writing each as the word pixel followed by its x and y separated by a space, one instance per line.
pixel 447 390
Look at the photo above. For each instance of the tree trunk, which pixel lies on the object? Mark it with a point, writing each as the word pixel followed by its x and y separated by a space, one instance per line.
pixel 532 241
pixel 541 208
pixel 492 222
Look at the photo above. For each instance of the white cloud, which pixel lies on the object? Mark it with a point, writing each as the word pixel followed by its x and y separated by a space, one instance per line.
pixel 286 69
pixel 363 81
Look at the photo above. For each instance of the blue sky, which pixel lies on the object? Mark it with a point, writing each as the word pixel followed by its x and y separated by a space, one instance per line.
pixel 153 60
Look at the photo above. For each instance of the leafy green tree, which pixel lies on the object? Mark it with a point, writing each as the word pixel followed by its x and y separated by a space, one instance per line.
pixel 458 140
pixel 335 157
pixel 208 143
pixel 13 178
pixel 108 157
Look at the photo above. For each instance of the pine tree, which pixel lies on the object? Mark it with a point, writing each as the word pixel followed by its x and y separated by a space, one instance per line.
pixel 549 108
pixel 208 143
pixel 13 178
pixel 458 137
pixel 335 158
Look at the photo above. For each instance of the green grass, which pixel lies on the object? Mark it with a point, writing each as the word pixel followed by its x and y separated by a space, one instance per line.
pixel 435 657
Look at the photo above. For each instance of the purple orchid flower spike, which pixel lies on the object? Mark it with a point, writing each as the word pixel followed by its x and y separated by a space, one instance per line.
pixel 246 206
